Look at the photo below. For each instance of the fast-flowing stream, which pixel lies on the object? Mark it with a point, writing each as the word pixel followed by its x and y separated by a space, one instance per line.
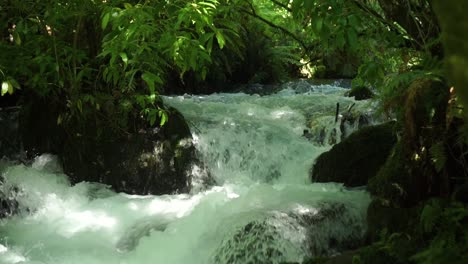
pixel 261 209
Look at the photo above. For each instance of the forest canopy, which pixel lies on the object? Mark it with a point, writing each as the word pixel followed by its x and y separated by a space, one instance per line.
pixel 103 59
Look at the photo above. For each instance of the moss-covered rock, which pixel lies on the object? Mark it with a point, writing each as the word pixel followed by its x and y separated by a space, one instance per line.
pixel 392 183
pixel 152 161
pixel 413 171
pixel 357 158
pixel 140 160
pixel 361 93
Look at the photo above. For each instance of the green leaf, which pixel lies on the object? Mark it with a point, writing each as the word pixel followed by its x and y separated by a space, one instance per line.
pixel 151 79
pixel 105 20
pixel 5 87
pixel 352 38
pixel 164 118
pixel 152 116
pixel 124 57
pixel 340 40
pixel 79 105
pixel 10 87
pixel 319 24
pixel 220 38
pixel 15 84
pixel 353 21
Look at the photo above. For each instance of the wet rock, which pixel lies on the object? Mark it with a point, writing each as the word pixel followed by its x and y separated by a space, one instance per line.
pixel 260 89
pixel 353 121
pixel 256 242
pixel 133 234
pixel 153 161
pixel 280 237
pixel 357 158
pixel 142 160
pixel 8 204
pixel 361 93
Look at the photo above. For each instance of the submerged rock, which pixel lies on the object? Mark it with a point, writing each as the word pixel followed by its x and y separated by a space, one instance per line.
pixel 281 237
pixel 361 93
pixel 144 227
pixel 8 204
pixel 357 158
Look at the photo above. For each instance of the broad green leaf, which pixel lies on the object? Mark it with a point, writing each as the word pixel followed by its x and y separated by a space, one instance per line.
pixel 128 5
pixel 105 20
pixel 150 80
pixel 10 87
pixel 152 116
pixel 124 57
pixel 319 24
pixel 5 87
pixel 15 84
pixel 208 4
pixel 163 118
pixel 220 38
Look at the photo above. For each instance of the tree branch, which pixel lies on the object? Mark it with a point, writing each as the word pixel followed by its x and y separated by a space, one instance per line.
pixel 254 14
pixel 278 3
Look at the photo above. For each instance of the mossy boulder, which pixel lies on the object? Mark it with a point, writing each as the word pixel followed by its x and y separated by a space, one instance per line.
pixel 139 160
pixel 151 161
pixel 357 158
pixel 361 93
pixel 394 183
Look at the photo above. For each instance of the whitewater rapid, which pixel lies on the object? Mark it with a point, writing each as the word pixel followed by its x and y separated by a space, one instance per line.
pixel 261 209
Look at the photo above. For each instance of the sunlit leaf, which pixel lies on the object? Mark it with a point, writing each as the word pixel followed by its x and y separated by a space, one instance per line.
pixel 105 20
pixel 124 57
pixel 5 87
pixel 220 38
pixel 163 118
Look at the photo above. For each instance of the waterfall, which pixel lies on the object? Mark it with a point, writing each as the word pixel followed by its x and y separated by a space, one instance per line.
pixel 261 208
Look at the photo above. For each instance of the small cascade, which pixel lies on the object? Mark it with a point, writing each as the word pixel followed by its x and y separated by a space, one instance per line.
pixel 259 208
